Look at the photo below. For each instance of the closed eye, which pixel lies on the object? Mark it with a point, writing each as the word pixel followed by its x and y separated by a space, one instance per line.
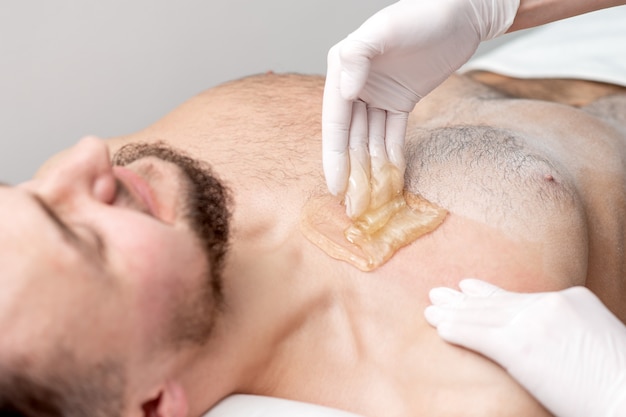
pixel 70 234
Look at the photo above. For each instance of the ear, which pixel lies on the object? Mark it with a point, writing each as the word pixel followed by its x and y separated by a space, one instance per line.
pixel 170 401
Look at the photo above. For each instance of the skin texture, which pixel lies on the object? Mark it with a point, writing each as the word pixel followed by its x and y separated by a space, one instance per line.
pixel 534 204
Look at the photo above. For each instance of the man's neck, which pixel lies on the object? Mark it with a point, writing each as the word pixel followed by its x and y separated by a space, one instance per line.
pixel 268 299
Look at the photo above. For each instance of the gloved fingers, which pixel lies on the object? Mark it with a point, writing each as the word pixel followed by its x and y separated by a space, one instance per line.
pixel 336 117
pixel 482 339
pixel 495 309
pixel 477 287
pixel 382 184
pixel 482 334
pixel 441 296
pixel 377 119
pixel 395 131
pixel 357 196
pixel 359 130
pixel 489 316
pixel 474 294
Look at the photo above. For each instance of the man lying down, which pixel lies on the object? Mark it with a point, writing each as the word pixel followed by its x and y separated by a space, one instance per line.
pixel 187 268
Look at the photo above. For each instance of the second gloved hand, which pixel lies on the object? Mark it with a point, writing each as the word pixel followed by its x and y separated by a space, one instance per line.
pixel 565 347
pixel 394 59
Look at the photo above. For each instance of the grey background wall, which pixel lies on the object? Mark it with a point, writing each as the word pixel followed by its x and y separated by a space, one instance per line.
pixel 77 67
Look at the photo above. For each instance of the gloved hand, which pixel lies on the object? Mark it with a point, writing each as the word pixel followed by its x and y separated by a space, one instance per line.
pixel 564 347
pixel 394 59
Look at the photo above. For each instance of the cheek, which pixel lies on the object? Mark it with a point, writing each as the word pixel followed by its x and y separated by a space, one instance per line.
pixel 141 247
pixel 149 258
pixel 156 265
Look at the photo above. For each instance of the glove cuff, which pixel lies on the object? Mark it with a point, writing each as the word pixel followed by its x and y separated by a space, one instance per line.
pixel 495 17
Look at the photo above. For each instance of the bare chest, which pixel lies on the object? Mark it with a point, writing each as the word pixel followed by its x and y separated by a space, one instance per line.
pixel 538 170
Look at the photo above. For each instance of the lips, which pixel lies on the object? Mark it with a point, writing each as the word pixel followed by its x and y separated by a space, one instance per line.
pixel 138 187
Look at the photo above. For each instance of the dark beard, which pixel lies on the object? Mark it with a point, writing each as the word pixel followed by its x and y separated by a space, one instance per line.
pixel 206 210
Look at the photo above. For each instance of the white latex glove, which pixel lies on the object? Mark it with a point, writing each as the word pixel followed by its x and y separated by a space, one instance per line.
pixel 564 347
pixel 394 59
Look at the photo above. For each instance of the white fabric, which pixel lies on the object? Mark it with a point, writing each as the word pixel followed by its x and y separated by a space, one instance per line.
pixel 259 406
pixel 589 47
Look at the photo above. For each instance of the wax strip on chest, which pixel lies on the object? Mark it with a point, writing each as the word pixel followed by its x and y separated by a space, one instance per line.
pixel 374 237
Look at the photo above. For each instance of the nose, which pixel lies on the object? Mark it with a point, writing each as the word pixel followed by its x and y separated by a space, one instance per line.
pixel 82 171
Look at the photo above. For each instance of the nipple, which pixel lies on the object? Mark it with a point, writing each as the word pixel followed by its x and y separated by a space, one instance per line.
pixel 392 220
